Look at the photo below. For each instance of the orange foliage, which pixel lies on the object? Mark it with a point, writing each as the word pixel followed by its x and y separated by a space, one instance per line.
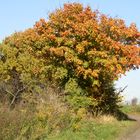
pixel 106 43
pixel 91 48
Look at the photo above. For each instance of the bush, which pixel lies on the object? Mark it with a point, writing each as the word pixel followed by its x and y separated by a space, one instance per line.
pixel 49 117
pixel 12 122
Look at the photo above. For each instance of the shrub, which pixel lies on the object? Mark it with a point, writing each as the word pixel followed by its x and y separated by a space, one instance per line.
pixel 46 117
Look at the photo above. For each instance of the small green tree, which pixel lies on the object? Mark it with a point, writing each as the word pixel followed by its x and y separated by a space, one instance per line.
pixel 20 71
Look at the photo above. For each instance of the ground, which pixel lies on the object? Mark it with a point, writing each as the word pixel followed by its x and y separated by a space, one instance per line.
pixel 134 132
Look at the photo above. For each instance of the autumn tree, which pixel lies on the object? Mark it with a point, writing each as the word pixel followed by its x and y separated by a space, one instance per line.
pixel 80 50
pixel 20 70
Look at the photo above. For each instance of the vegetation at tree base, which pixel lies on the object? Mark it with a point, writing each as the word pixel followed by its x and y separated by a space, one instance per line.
pixel 51 122
pixel 78 53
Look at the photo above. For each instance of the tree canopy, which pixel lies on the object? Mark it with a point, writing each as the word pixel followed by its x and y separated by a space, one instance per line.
pixel 80 50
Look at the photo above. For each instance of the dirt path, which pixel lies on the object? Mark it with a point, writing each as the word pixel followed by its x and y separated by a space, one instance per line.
pixel 135 132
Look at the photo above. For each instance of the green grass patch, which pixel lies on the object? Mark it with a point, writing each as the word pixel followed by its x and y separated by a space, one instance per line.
pixel 95 131
pixel 130 109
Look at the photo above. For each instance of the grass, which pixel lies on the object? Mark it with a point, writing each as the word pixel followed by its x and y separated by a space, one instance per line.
pixel 95 130
pixel 17 125
pixel 129 109
pixel 52 120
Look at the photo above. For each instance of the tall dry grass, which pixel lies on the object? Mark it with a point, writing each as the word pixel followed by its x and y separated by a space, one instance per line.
pixel 36 117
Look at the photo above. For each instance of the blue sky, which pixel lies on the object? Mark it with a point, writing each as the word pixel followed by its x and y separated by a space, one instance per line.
pixel 18 15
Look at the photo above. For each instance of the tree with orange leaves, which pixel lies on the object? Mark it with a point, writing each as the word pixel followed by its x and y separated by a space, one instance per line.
pixel 84 51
